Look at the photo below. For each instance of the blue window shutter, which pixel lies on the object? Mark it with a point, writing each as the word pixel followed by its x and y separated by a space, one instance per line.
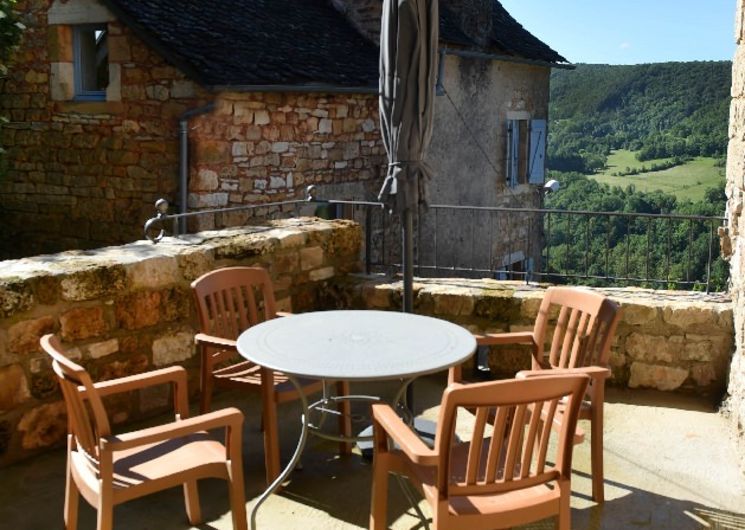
pixel 537 156
pixel 513 151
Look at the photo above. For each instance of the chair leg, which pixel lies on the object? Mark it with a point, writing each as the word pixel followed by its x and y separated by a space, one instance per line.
pixel 191 499
pixel 105 515
pixel 237 495
pixel 345 419
pixel 565 510
pixel 596 454
pixel 207 383
pixel 271 429
pixel 72 501
pixel 379 500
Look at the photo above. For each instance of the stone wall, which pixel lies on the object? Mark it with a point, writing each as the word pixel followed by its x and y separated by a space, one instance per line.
pixel 124 310
pixel 733 240
pixel 83 174
pixel 666 340
pixel 267 147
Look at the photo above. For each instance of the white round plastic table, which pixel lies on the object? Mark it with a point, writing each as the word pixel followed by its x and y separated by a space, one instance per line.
pixel 351 345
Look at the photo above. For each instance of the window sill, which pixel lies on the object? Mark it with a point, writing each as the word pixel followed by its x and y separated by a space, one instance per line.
pixel 90 107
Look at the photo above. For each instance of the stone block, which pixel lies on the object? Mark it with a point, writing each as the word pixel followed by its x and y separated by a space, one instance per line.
pixel 173 348
pixel 44 426
pixel 311 258
pixel 644 347
pixel 321 274
pixel 213 152
pixel 285 262
pixel 450 302
pixel 656 376
pixel 131 366
pixel 690 317
pixel 204 180
pixel 24 336
pixel 83 322
pixel 639 315
pixel 93 283
pixel 138 310
pixel 13 387
pixel 102 349
pixel 703 374
pixel 15 297
pixel 290 238
pixel 155 272
pixel 119 51
pixel 193 264
pixel 261 117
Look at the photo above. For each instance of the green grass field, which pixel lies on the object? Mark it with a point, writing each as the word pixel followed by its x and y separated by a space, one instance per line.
pixel 687 181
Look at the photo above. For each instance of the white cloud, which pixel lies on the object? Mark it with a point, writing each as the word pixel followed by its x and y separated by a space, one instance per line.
pixel 625 45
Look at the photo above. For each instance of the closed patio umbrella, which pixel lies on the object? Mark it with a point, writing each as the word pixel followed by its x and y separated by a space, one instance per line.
pixel 409 35
pixel 408 68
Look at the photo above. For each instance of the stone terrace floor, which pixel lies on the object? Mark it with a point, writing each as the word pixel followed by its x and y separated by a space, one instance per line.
pixel 668 466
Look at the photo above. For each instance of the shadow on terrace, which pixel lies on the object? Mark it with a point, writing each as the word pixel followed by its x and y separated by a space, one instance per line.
pixel 668 455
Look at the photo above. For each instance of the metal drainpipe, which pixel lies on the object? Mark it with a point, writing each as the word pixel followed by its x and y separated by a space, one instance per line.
pixel 183 191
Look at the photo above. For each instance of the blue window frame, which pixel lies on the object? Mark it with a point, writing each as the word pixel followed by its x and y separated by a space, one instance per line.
pixel 91 61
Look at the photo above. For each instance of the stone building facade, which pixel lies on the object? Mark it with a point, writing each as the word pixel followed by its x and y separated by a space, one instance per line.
pixel 86 173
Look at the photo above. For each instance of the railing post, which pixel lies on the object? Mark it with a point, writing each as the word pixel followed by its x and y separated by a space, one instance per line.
pixel 368 240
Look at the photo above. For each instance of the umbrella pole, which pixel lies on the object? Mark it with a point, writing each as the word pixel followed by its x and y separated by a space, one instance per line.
pixel 407 239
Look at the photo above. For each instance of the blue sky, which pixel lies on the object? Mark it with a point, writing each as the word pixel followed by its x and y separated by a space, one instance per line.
pixel 631 31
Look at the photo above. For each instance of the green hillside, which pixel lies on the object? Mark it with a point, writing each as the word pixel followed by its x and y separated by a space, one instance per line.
pixel 655 110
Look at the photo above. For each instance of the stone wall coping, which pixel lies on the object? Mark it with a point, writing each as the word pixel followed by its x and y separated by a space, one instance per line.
pixel 79 260
pixel 518 289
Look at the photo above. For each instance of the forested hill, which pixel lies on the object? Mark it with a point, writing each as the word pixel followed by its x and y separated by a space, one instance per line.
pixel 660 110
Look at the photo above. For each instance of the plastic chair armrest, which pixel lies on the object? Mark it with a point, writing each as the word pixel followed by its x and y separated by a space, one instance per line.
pixel 211 340
pixel 493 339
pixel 173 374
pixel 595 372
pixel 225 418
pixel 399 432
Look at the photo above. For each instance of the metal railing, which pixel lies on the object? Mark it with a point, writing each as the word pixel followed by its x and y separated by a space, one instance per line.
pixel 668 251
pixel 555 246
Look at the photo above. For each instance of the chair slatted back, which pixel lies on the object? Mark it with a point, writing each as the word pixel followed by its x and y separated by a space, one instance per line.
pixel 232 299
pixel 584 328
pixel 87 418
pixel 514 452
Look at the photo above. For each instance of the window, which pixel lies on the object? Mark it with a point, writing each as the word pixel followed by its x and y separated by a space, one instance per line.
pixel 526 151
pixel 91 61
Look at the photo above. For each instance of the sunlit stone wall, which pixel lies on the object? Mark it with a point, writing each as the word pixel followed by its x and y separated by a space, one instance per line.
pixel 128 309
pixel 734 243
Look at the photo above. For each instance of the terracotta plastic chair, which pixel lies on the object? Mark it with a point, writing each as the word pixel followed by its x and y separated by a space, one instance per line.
pixel 505 475
pixel 229 301
pixel 108 469
pixel 579 343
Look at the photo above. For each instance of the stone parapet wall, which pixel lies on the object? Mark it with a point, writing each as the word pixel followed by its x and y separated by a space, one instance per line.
pixel 128 309
pixel 733 242
pixel 671 341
